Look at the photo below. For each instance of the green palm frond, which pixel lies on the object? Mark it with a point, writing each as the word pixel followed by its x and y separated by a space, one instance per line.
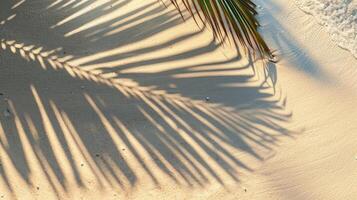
pixel 235 18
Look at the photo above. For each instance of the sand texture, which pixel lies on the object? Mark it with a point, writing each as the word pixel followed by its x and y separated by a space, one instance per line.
pixel 122 99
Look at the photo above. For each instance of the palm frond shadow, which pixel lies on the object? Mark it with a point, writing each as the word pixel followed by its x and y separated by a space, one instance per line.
pixel 287 44
pixel 74 120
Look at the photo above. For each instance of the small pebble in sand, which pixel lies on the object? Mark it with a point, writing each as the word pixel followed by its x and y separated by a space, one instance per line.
pixel 207 98
pixel 245 189
pixel 82 165
pixel 38 188
pixel 97 155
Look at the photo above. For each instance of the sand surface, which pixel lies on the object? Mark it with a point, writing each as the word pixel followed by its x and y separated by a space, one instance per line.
pixel 121 99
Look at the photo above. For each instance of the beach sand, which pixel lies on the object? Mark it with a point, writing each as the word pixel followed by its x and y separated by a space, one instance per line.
pixel 109 99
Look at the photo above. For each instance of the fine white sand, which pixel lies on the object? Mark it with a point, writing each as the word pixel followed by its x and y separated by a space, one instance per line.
pixel 338 16
pixel 110 99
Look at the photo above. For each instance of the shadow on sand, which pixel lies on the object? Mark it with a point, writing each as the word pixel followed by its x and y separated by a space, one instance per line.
pixel 80 98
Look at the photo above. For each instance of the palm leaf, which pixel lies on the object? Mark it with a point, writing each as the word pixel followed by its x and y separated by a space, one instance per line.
pixel 235 18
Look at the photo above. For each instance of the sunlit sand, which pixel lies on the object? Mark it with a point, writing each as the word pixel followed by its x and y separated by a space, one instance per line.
pixel 122 99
